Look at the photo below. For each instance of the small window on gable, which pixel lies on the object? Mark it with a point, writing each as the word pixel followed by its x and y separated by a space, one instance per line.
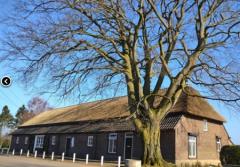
pixel 90 141
pixel 205 125
pixel 17 140
pixel 218 144
pixel 26 140
pixel 53 140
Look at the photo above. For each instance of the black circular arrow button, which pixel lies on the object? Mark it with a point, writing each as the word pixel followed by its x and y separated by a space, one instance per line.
pixel 6 81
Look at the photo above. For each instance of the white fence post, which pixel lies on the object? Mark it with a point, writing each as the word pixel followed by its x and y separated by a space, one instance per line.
pixel 7 151
pixel 28 153
pixel 13 152
pixel 21 151
pixel 43 156
pixel 86 159
pixel 52 156
pixel 119 161
pixel 2 151
pixel 63 156
pixel 35 155
pixel 74 157
pixel 102 158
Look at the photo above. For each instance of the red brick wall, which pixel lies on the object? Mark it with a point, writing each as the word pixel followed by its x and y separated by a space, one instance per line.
pixel 206 140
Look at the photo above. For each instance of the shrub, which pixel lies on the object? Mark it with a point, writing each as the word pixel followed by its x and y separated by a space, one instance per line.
pixel 230 155
pixel 197 164
pixel 6 143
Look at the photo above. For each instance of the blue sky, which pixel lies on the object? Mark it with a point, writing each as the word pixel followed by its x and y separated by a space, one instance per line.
pixel 17 94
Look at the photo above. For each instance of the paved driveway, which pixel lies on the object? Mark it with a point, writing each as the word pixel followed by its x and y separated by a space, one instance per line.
pixel 16 161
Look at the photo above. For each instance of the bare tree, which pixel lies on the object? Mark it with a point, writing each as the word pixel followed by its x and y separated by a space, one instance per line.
pixel 37 105
pixel 144 45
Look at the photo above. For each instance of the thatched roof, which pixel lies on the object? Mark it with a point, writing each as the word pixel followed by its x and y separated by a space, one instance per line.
pixel 98 110
pixel 191 103
pixel 118 108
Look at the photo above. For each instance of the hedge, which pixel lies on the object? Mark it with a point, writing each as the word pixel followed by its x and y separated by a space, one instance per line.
pixel 5 143
pixel 230 155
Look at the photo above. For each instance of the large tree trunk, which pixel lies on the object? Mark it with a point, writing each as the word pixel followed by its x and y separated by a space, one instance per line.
pixel 152 151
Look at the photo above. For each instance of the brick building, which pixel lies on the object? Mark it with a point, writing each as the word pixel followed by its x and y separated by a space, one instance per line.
pixel 193 131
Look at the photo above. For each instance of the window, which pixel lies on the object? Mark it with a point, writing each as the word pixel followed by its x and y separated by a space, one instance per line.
pixel 17 140
pixel 192 146
pixel 112 143
pixel 26 140
pixel 205 125
pixel 219 144
pixel 90 141
pixel 53 140
pixel 39 141
pixel 72 142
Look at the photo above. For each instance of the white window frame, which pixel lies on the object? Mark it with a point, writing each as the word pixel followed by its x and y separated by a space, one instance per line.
pixel 112 143
pixel 90 141
pixel 53 140
pixel 219 144
pixel 17 140
pixel 192 146
pixel 26 140
pixel 205 125
pixel 39 141
pixel 72 142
